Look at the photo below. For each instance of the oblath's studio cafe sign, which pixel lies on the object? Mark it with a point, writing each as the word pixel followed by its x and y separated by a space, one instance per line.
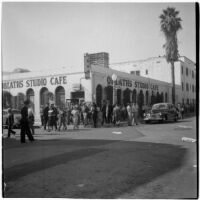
pixel 55 80
pixel 132 84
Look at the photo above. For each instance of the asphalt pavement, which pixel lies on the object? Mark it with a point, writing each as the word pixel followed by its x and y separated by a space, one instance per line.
pixel 144 161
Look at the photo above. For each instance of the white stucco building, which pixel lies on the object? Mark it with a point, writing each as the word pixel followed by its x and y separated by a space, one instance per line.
pixel 94 84
pixel 158 68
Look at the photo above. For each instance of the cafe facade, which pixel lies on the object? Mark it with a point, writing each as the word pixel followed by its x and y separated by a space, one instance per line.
pixel 68 85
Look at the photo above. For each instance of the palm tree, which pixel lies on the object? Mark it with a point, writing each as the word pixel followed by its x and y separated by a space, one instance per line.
pixel 170 25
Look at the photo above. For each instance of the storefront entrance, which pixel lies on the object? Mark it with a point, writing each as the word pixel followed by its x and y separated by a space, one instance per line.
pixel 77 97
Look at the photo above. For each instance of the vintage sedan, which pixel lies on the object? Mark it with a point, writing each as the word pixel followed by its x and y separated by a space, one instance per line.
pixel 17 118
pixel 162 112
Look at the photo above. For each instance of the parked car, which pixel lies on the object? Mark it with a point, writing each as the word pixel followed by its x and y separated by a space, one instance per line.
pixel 162 112
pixel 17 118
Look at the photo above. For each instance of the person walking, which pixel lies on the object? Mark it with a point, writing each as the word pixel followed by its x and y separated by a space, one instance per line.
pixel 50 119
pixel 61 119
pixel 103 111
pixel 123 112
pixel 99 117
pixel 45 116
pixel 31 119
pixel 135 114
pixel 129 112
pixel 94 114
pixel 85 111
pixel 182 111
pixel 109 111
pixel 54 116
pixel 116 115
pixel 75 114
pixel 25 129
pixel 42 115
pixel 10 121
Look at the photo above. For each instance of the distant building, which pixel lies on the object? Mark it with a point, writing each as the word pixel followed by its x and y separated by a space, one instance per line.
pixel 157 68
pixel 98 59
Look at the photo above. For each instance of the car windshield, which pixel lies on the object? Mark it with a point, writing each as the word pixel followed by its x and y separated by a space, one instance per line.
pixel 159 106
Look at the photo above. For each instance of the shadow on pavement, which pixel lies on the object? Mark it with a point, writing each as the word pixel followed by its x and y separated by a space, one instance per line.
pixel 115 167
pixel 18 171
pixel 9 143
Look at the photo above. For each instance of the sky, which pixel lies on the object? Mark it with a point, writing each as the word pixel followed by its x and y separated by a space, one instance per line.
pixel 45 35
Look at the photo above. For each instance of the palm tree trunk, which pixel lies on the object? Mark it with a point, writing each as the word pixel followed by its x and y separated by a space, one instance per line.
pixel 173 82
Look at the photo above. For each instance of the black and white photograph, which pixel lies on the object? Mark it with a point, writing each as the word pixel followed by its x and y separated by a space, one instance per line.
pixel 99 100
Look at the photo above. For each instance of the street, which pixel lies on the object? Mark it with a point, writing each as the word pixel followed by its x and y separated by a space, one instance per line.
pixel 144 161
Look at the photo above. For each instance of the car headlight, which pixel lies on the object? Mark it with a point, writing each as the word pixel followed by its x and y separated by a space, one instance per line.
pixel 160 114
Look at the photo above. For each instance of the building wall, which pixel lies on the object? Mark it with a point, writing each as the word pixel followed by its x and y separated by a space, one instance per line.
pixel 67 81
pixel 189 79
pixel 71 79
pixel 100 77
pixel 157 68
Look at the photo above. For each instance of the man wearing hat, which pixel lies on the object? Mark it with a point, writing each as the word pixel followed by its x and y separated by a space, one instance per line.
pixel 25 129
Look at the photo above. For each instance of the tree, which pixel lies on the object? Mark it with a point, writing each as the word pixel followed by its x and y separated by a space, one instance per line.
pixel 170 25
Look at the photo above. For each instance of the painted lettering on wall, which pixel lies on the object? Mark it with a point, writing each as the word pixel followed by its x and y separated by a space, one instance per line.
pixel 13 84
pixel 56 80
pixel 130 83
pixel 120 82
pixel 146 85
pixel 36 82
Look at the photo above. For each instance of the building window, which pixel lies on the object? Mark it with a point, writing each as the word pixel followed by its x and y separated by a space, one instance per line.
pixel 182 86
pixel 187 71
pixel 133 72
pixel 182 69
pixel 60 96
pixel 192 88
pixel 146 71
pixel 192 74
pixel 138 73
pixel 187 87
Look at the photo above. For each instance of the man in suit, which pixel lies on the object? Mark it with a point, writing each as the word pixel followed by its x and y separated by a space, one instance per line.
pixel 25 129
pixel 45 115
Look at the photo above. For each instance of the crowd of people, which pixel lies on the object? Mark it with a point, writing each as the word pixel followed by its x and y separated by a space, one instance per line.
pixel 87 114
